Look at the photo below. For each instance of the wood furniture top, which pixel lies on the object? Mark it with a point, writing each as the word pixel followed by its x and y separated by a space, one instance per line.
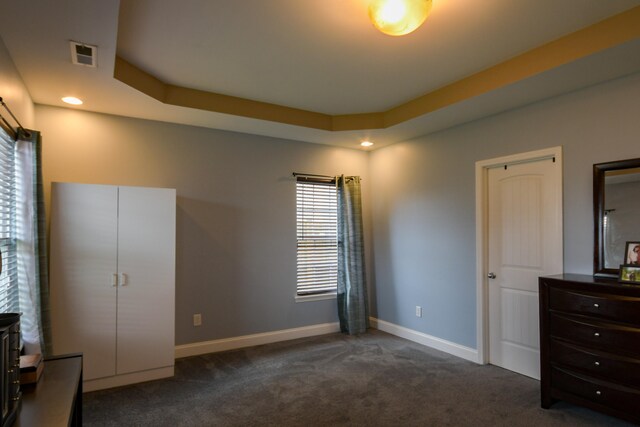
pixel 55 400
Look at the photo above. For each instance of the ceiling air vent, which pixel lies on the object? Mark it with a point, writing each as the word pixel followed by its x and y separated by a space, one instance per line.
pixel 84 54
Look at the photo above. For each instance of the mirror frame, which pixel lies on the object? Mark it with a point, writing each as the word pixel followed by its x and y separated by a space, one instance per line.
pixel 599 169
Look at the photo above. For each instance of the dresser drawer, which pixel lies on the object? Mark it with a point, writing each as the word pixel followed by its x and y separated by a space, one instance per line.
pixel 622 398
pixel 605 306
pixel 595 334
pixel 595 363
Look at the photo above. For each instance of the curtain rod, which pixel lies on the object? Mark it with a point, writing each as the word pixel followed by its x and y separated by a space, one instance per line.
pixel 320 178
pixel 14 118
pixel 9 127
pixel 312 175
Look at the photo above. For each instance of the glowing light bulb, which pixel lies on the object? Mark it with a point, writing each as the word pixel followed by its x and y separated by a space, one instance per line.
pixel 398 17
pixel 72 100
pixel 366 143
pixel 392 11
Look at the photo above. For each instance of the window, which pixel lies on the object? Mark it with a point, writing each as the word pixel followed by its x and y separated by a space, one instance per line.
pixel 317 237
pixel 9 274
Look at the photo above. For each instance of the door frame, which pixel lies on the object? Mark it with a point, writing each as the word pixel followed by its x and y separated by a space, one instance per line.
pixel 482 234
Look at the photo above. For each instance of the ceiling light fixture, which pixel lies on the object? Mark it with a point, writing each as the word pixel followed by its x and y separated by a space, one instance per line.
pixel 366 143
pixel 72 100
pixel 398 17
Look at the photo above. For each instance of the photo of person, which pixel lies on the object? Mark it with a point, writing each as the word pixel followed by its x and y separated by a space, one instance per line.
pixel 629 274
pixel 633 253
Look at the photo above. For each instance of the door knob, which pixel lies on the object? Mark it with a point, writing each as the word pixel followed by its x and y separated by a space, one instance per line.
pixel 491 275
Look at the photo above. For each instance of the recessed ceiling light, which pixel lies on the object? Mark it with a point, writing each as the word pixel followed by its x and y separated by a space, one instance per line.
pixel 72 100
pixel 366 143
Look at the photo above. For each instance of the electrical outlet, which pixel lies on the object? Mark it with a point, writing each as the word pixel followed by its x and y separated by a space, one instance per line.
pixel 418 311
pixel 197 319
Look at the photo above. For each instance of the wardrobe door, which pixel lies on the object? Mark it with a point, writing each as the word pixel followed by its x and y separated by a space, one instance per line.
pixel 84 221
pixel 146 264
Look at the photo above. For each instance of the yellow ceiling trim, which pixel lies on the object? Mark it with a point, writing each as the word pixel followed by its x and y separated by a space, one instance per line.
pixel 233 105
pixel 209 101
pixel 136 78
pixel 358 121
pixel 605 34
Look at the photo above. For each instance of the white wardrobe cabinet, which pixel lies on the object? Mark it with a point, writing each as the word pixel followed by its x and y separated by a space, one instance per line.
pixel 112 280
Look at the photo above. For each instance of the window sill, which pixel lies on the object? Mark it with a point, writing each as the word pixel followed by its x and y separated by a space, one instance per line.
pixel 320 297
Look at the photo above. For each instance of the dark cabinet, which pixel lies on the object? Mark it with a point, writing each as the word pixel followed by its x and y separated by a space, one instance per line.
pixel 10 364
pixel 590 344
pixel 55 400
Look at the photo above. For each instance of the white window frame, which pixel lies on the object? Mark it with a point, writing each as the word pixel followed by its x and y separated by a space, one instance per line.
pixel 316 239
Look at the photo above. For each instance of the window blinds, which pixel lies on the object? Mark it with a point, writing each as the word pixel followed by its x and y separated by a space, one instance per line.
pixel 9 274
pixel 317 236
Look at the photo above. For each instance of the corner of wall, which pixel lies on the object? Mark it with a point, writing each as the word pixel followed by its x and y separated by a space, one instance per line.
pixel 13 90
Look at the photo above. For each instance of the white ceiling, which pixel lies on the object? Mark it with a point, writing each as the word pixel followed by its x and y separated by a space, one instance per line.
pixel 317 55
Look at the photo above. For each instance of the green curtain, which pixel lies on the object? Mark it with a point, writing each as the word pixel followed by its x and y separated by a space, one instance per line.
pixel 33 276
pixel 353 308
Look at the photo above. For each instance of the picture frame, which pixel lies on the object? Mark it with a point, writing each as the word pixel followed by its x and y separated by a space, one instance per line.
pixel 632 253
pixel 629 273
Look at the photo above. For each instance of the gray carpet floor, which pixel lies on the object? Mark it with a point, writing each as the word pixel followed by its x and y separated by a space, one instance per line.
pixel 375 379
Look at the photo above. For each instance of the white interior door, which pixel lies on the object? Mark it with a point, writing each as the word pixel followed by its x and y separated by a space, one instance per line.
pixel 84 221
pixel 146 264
pixel 525 242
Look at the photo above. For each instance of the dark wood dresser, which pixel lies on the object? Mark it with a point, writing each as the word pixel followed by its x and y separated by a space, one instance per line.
pixel 590 344
pixel 55 400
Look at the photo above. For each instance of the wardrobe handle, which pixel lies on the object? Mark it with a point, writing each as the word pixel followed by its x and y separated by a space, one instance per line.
pixel 114 280
pixel 123 279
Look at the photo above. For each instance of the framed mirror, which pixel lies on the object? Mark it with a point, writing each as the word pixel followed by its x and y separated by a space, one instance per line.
pixel 616 213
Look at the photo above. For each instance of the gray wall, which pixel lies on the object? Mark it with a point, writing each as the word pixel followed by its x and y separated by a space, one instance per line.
pixel 14 92
pixel 236 210
pixel 236 252
pixel 423 209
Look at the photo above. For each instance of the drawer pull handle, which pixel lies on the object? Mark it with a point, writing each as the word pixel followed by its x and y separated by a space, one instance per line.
pixel 598 392
pixel 597 363
pixel 596 305
pixel 596 334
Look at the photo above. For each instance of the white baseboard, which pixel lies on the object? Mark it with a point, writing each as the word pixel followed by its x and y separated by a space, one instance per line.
pixel 214 346
pixel 198 348
pixel 124 379
pixel 426 340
